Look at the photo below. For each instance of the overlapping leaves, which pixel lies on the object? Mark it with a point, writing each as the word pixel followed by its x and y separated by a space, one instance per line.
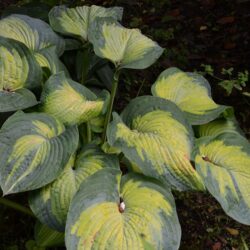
pixel 51 203
pixel 103 209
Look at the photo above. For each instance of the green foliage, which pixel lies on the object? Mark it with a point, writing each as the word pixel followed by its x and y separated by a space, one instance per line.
pixel 233 81
pixel 68 154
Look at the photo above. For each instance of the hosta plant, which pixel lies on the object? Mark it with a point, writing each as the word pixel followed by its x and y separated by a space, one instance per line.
pixel 103 179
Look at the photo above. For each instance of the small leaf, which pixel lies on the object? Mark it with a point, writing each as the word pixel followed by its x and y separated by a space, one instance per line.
pixel 34 148
pixel 126 48
pixel 232 231
pixel 76 21
pixel 190 92
pixel 147 220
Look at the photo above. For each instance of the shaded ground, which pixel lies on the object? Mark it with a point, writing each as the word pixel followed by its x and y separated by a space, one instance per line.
pixel 193 32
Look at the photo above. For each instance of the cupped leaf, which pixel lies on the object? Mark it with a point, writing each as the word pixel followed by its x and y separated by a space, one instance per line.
pixel 51 203
pixel 137 213
pixel 126 48
pixel 190 92
pixel 76 21
pixel 33 32
pixel 18 70
pixel 153 134
pixel 18 67
pixel 71 102
pixel 17 100
pixel 224 164
pixel 47 58
pixel 34 149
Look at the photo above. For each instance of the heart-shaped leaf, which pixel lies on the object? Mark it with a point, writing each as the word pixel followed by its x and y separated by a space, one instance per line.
pixel 34 149
pixel 126 48
pixel 137 213
pixel 224 164
pixel 153 134
pixel 76 21
pixel 33 32
pixel 71 102
pixel 51 203
pixel 190 92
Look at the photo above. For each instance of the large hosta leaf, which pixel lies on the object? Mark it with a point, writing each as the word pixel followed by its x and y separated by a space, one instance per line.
pixel 191 92
pixel 137 213
pixel 224 164
pixel 18 70
pixel 153 134
pixel 69 101
pixel 34 149
pixel 51 203
pixel 126 48
pixel 34 33
pixel 76 21
pixel 47 58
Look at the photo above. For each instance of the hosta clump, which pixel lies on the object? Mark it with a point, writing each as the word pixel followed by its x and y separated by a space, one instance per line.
pixel 69 151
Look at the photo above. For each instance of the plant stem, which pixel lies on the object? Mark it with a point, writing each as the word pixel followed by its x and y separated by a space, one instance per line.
pixel 111 103
pixel 85 64
pixel 89 134
pixel 16 206
pixel 85 70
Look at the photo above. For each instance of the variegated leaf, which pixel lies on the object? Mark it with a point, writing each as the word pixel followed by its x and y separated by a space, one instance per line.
pixel 76 21
pixel 137 213
pixel 34 149
pixel 47 58
pixel 34 33
pixel 51 203
pixel 153 134
pixel 217 127
pixel 190 92
pixel 18 70
pixel 126 48
pixel 224 164
pixel 71 102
